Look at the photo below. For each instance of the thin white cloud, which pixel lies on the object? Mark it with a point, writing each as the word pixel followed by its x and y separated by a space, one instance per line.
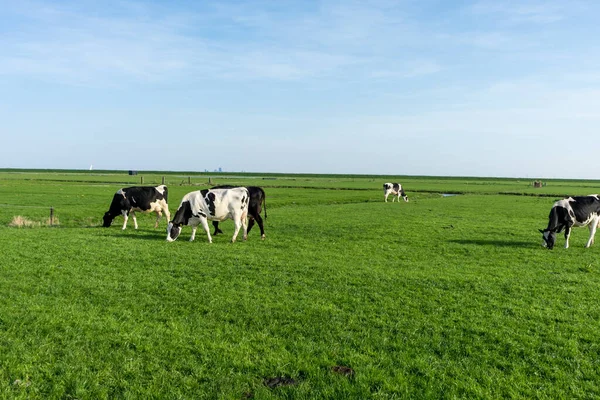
pixel 523 11
pixel 410 69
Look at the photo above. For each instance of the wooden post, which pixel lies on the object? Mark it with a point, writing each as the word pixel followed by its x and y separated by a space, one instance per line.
pixel 209 180
pixel 51 216
pixel 189 180
pixel 141 180
pixel 163 180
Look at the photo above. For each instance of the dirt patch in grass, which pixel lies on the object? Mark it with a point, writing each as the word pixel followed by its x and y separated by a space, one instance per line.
pixel 343 370
pixel 272 383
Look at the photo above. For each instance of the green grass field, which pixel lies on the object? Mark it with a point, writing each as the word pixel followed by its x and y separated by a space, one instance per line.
pixel 347 298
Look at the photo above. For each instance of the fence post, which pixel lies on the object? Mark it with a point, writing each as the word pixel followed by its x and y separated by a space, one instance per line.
pixel 189 180
pixel 209 180
pixel 51 216
pixel 141 180
pixel 163 180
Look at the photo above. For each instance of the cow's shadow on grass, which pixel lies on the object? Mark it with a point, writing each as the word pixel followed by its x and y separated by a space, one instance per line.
pixel 160 234
pixel 140 234
pixel 497 243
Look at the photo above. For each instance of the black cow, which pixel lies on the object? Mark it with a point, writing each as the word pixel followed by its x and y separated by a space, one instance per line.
pixel 257 201
pixel 569 212
pixel 138 198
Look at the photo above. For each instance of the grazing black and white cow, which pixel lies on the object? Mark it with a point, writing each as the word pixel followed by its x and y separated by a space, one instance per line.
pixel 138 198
pixel 394 189
pixel 569 212
pixel 257 200
pixel 211 204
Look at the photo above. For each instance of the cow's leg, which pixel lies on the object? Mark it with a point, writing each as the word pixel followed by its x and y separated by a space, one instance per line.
pixel 259 221
pixel 167 213
pixel 134 219
pixel 194 227
pixel 216 226
pixel 567 234
pixel 204 223
pixel 250 223
pixel 237 221
pixel 125 218
pixel 386 196
pixel 158 215
pixel 593 227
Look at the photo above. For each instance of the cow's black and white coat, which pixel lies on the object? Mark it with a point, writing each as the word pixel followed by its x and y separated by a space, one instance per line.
pixel 211 204
pixel 396 190
pixel 569 212
pixel 138 198
pixel 257 201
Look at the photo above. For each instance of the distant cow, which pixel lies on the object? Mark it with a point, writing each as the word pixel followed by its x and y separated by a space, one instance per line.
pixel 394 189
pixel 569 212
pixel 257 200
pixel 211 204
pixel 138 198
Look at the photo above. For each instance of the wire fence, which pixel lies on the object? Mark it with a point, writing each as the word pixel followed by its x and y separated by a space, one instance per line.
pixel 22 206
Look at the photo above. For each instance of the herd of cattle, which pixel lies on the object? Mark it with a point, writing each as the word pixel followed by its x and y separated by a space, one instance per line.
pixel 217 204
pixel 244 204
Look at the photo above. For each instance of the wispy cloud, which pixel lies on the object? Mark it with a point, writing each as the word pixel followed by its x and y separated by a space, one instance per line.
pixel 218 41
pixel 65 44
pixel 410 69
pixel 525 11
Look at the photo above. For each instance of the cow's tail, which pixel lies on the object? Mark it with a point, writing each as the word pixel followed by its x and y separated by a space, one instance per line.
pixel 264 201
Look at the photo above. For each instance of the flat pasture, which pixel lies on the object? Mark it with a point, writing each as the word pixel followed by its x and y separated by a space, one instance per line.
pixel 348 296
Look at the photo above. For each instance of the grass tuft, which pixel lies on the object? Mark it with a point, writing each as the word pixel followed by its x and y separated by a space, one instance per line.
pixel 23 222
pixel 588 268
pixel 19 221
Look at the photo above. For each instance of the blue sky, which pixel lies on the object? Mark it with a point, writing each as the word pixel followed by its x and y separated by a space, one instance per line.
pixel 414 87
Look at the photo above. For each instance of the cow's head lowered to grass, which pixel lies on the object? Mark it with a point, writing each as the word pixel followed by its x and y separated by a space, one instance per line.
pixel 549 238
pixel 173 232
pixel 107 219
pixel 119 206
pixel 182 217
